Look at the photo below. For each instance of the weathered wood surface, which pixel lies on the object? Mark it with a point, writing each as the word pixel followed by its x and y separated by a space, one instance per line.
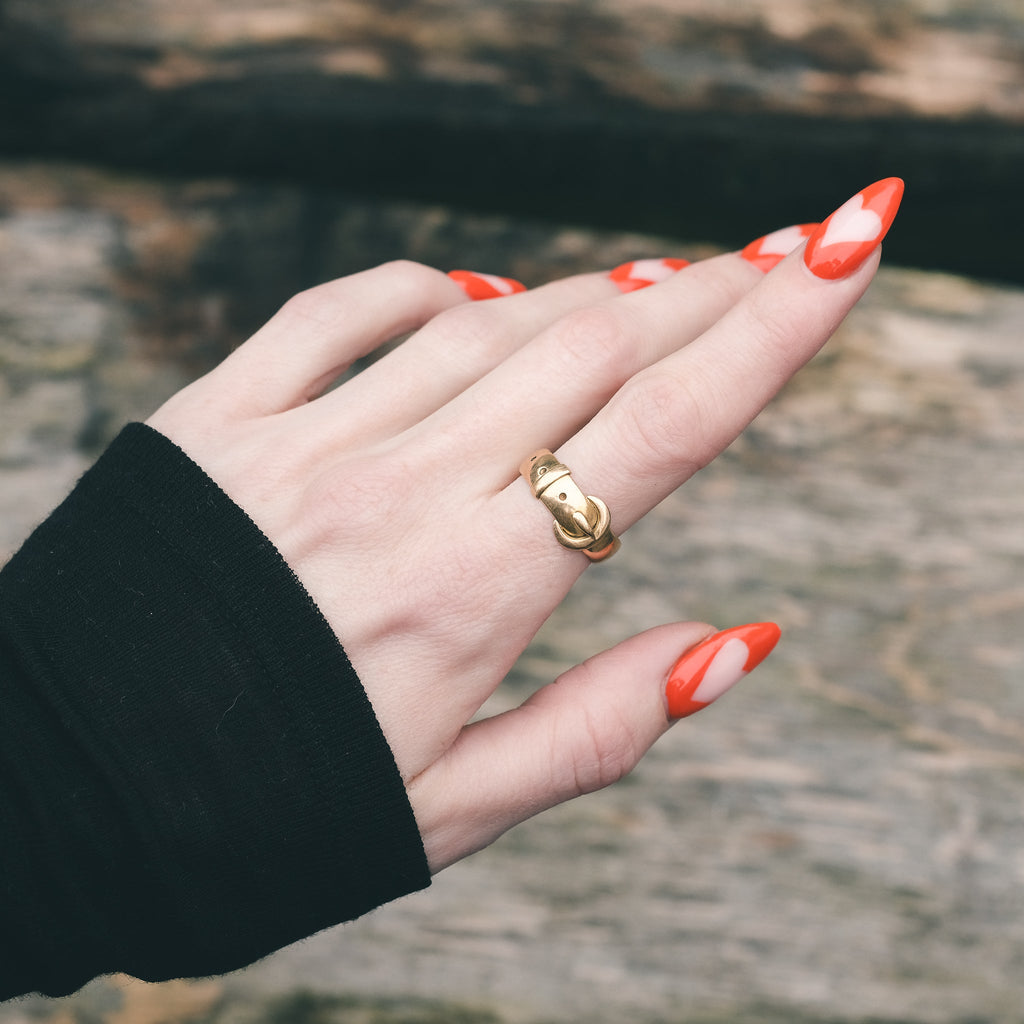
pixel 908 57
pixel 839 840
pixel 681 117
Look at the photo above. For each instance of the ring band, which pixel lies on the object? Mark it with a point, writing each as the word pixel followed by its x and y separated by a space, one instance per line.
pixel 582 522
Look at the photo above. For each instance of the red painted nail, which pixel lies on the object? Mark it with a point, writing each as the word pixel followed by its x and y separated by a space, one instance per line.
pixel 769 250
pixel 485 286
pixel 637 274
pixel 844 241
pixel 706 671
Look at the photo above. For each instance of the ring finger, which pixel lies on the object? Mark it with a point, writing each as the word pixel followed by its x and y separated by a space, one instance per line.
pixel 677 415
pixel 543 393
pixel 446 356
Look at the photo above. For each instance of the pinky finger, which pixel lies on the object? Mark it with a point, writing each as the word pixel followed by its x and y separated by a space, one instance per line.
pixel 319 333
pixel 579 734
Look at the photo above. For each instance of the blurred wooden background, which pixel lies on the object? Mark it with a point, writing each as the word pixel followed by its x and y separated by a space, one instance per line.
pixel 681 117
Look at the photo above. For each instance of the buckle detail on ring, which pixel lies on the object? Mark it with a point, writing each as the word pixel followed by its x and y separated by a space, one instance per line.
pixel 582 522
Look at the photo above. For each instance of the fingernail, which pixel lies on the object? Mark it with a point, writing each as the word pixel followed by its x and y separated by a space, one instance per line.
pixel 485 286
pixel 844 241
pixel 637 274
pixel 706 671
pixel 768 250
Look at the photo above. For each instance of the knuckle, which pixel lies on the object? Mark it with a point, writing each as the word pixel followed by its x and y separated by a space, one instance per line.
pixel 603 757
pixel 720 281
pixel 670 418
pixel 783 330
pixel 324 304
pixel 771 323
pixel 604 747
pixel 598 341
pixel 410 274
pixel 311 305
pixel 468 327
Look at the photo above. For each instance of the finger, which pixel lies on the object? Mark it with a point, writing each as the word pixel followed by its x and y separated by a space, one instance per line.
pixel 448 355
pixel 320 332
pixel 676 416
pixel 581 733
pixel 544 392
pixel 671 420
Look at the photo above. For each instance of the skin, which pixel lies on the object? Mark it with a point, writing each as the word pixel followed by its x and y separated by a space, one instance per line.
pixel 396 497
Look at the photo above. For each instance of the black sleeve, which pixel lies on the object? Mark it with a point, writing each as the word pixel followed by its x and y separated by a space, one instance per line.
pixel 191 775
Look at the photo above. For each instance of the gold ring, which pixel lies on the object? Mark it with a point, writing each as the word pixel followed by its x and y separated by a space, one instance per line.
pixel 582 522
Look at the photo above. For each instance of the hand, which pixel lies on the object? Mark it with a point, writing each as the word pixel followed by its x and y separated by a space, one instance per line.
pixel 396 497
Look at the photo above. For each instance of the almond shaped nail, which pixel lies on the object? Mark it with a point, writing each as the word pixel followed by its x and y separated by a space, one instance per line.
pixel 847 238
pixel 768 251
pixel 717 664
pixel 485 286
pixel 637 274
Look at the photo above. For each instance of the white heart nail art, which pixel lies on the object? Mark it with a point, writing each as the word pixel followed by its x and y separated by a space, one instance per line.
pixel 852 223
pixel 726 669
pixel 500 284
pixel 782 242
pixel 651 270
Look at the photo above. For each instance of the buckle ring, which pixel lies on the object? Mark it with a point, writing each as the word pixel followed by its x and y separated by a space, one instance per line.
pixel 582 522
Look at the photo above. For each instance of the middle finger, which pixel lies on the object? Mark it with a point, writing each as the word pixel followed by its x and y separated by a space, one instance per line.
pixel 446 356
pixel 544 392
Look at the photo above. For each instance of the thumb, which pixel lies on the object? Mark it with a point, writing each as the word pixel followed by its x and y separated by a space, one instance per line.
pixel 584 731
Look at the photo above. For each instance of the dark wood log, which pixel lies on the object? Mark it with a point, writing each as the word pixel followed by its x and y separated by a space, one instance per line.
pixel 655 117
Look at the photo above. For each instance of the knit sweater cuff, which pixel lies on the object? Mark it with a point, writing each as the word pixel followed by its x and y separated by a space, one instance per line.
pixel 191 775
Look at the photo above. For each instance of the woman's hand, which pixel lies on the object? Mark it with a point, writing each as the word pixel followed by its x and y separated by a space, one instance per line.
pixel 397 500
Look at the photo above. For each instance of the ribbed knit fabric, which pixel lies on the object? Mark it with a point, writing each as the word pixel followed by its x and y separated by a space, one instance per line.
pixel 191 775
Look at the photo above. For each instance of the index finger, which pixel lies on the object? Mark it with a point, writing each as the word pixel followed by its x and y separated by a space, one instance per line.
pixel 671 419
